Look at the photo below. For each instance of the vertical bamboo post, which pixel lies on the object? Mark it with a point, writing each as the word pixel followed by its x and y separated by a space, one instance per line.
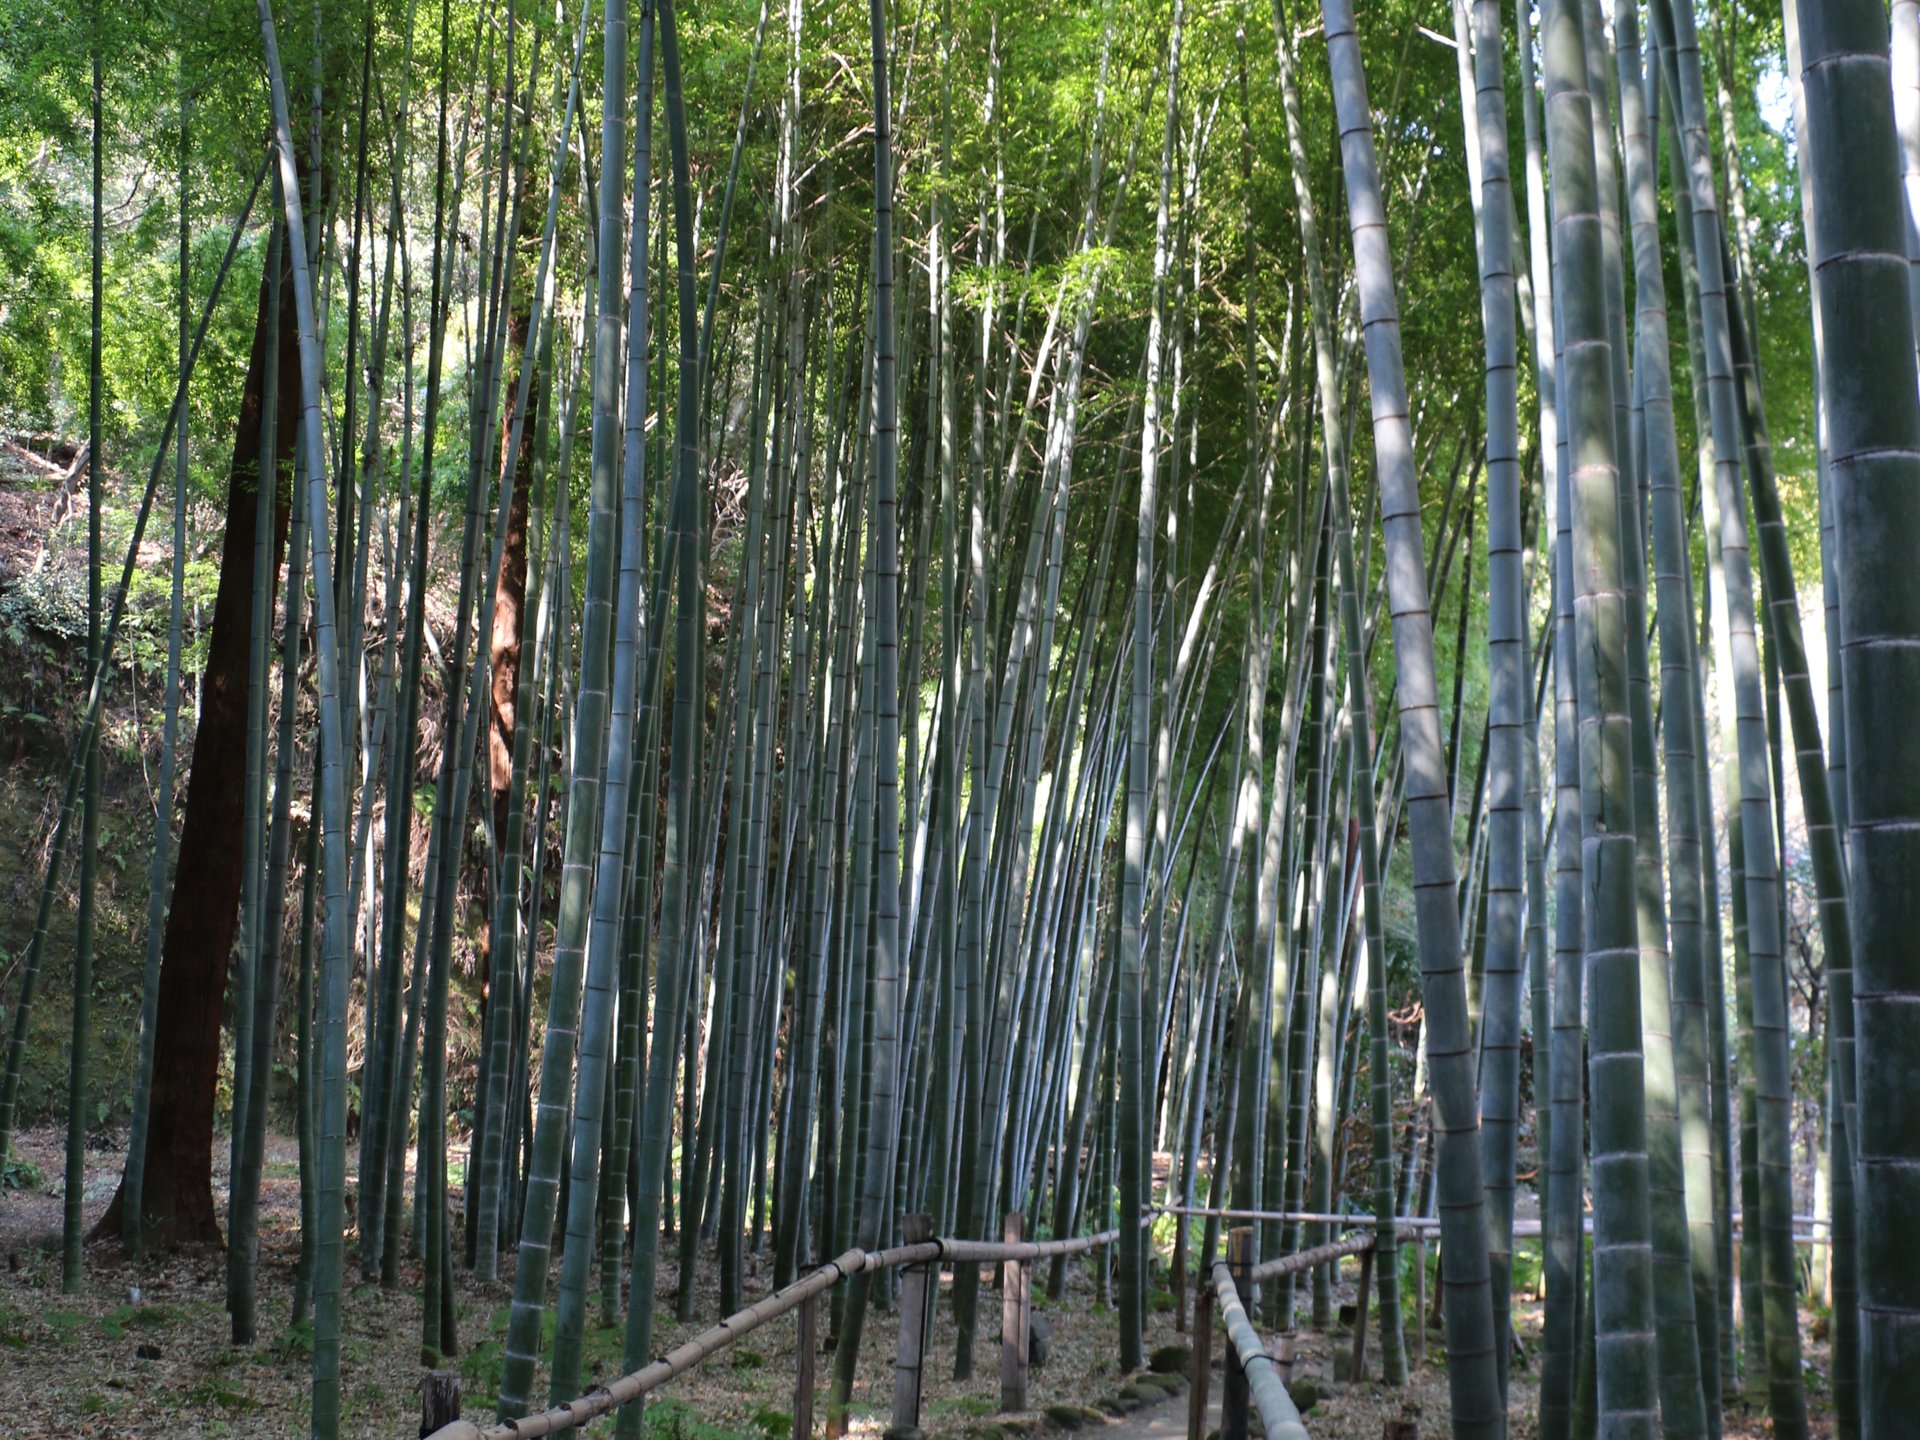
pixel 913 1333
pixel 1360 1316
pixel 1420 1298
pixel 806 1345
pixel 1202 1360
pixel 1180 1273
pixel 1014 1316
pixel 1235 1394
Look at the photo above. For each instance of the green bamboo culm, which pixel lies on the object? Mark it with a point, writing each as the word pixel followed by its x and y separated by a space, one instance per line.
pixel 1333 442
pixel 1473 1373
pixel 618 691
pixel 244 1209
pixel 246 964
pixel 132 1229
pixel 1134 979
pixel 303 1077
pixel 1625 1371
pixel 881 1122
pixel 565 1018
pixel 337 933
pixel 73 1210
pixel 1765 977
pixel 672 985
pixel 383 1137
pixel 1720 1093
pixel 1868 390
pixel 1506 756
pixel 1781 616
pixel 1683 1407
pixel 1697 1264
pixel 495 1164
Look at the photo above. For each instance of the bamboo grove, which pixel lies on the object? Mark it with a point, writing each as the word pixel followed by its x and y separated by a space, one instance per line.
pixel 1062 610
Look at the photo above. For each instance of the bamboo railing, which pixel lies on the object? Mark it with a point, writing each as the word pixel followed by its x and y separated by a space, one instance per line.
pixel 1258 1375
pixel 1253 1375
pixel 920 1258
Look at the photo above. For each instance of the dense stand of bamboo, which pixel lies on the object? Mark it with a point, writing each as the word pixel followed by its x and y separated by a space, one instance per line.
pixel 861 838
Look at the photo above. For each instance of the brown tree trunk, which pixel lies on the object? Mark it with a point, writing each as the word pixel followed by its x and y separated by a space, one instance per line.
pixel 511 595
pixel 206 888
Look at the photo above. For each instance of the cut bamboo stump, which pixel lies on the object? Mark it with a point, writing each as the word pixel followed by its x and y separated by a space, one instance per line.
pixel 439 1399
pixel 1281 1349
pixel 1235 1394
pixel 1015 1316
pixel 916 1284
pixel 1202 1362
pixel 806 1345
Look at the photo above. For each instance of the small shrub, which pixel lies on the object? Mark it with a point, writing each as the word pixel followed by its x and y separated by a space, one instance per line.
pixel 19 1174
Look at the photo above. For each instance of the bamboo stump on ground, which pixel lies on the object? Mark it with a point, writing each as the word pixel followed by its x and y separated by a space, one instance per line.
pixel 439 1400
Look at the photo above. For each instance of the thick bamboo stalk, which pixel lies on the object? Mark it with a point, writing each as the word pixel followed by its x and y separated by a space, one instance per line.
pixel 1473 1373
pixel 1869 389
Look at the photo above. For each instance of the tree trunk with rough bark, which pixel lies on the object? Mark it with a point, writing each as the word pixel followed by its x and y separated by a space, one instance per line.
pixel 178 1180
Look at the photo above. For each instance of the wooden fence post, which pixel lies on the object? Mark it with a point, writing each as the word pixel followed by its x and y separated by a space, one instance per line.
pixel 1014 1316
pixel 1202 1359
pixel 917 1229
pixel 1360 1316
pixel 439 1400
pixel 1235 1395
pixel 806 1344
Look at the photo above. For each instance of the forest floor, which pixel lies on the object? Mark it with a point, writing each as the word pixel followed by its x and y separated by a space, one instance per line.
pixel 143 1350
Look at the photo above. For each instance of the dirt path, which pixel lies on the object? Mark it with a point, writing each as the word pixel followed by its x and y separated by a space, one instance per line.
pixel 1168 1419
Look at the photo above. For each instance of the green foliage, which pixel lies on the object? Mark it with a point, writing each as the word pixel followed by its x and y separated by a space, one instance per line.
pixel 1528 1263
pixel 671 1419
pixel 208 1392
pixel 963 1405
pixel 481 1365
pixel 51 601
pixel 21 1174
pixel 115 1324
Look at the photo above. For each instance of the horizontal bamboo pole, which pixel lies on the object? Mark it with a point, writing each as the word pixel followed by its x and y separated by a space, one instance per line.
pixel 965 1252
pixel 1311 1259
pixel 1278 1414
pixel 1429 1224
